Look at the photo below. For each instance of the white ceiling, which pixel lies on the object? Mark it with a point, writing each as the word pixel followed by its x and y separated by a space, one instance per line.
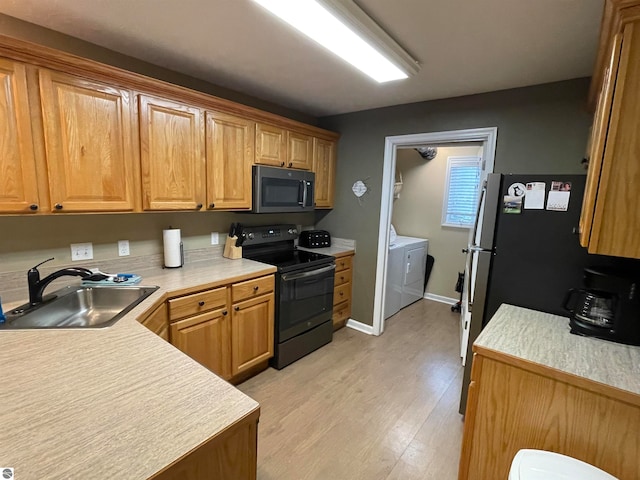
pixel 464 46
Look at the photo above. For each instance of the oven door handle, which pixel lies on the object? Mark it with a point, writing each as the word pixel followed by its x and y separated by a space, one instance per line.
pixel 295 276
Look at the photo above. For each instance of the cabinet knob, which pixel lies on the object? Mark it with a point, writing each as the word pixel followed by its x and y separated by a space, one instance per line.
pixel 341 278
pixel 212 205
pixel 201 303
pixel 290 164
pixel 341 294
pixel 33 207
pixel 224 312
pixel 58 206
pixel 236 308
pixel 255 289
pixel 282 164
pixel 198 206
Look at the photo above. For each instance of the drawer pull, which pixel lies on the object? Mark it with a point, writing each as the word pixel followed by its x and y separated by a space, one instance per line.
pixel 33 207
pixel 201 303
pixel 224 312
pixel 58 206
pixel 236 308
pixel 255 289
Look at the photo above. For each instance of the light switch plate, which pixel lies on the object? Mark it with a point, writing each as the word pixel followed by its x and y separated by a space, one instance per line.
pixel 123 248
pixel 215 238
pixel 81 251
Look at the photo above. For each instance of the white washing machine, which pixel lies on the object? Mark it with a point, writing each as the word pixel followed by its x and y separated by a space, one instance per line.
pixel 406 266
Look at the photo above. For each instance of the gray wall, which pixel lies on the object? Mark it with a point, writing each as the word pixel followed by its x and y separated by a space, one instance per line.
pixel 541 129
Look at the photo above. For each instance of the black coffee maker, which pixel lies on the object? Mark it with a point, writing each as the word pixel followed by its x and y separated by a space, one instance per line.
pixel 607 307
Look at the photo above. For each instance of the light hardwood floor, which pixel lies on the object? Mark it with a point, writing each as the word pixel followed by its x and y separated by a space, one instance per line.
pixel 367 407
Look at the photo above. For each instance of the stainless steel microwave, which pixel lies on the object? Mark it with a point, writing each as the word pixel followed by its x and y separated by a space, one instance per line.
pixel 282 190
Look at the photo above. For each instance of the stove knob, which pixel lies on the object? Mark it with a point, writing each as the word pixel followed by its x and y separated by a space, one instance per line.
pixel 250 236
pixel 293 231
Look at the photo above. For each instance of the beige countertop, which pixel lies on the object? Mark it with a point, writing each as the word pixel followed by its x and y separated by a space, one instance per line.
pixel 116 402
pixel 545 339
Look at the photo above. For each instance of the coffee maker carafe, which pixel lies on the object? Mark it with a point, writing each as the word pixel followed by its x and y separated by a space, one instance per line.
pixel 608 305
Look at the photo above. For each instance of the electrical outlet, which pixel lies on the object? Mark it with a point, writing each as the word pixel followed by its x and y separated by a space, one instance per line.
pixel 123 248
pixel 81 251
pixel 215 238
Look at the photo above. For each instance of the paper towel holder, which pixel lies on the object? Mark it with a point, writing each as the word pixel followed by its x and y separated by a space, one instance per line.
pixel 181 246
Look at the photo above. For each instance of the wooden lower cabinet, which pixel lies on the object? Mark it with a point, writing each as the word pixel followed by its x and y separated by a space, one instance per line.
pixel 515 404
pixel 205 338
pixel 230 455
pixel 342 290
pixel 252 328
pixel 228 329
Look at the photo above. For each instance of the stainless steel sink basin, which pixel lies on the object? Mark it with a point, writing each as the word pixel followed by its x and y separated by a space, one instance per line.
pixel 79 307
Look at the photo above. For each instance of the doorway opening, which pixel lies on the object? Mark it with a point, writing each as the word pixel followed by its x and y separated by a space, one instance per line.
pixel 486 137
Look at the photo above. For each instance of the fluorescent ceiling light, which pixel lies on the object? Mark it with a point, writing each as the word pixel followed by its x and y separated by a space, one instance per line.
pixel 343 28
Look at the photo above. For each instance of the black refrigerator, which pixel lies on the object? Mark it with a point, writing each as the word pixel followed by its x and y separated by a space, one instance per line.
pixel 527 257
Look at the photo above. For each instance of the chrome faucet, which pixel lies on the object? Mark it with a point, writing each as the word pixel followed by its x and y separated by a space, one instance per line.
pixel 37 286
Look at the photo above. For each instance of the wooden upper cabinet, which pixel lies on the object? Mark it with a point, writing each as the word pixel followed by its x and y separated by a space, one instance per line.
pixel 610 222
pixel 230 152
pixel 171 155
pixel 87 133
pixel 324 166
pixel 271 145
pixel 299 150
pixel 18 187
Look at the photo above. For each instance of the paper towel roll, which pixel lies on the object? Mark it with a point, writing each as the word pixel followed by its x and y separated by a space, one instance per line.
pixel 172 248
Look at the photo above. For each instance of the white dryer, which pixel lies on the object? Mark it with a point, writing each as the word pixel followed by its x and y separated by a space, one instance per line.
pixel 406 266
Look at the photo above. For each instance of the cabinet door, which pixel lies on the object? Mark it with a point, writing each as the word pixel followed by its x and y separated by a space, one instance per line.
pixel 18 187
pixel 158 321
pixel 230 151
pixel 324 166
pixel 299 151
pixel 171 155
pixel 252 333
pixel 205 338
pixel 615 229
pixel 598 141
pixel 87 131
pixel 271 145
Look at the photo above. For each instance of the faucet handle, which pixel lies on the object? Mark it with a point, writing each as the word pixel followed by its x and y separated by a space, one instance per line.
pixel 47 260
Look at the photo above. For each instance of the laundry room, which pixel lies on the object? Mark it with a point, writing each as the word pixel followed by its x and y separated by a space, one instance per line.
pixel 424 178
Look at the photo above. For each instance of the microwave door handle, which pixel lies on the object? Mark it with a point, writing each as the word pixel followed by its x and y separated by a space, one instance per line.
pixel 301 192
pixel 304 193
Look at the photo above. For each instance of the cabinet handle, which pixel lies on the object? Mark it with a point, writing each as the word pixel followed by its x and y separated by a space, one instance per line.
pixel 236 308
pixel 282 164
pixel 201 303
pixel 33 207
pixel 224 312
pixel 255 289
pixel 212 205
pixel 199 206
pixel 58 206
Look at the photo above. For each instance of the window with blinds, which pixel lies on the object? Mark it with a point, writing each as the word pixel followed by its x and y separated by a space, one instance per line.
pixel 461 191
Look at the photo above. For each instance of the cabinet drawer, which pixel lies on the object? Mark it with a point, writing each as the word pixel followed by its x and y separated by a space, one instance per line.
pixel 342 263
pixel 342 293
pixel 251 288
pixel 341 312
pixel 342 277
pixel 197 303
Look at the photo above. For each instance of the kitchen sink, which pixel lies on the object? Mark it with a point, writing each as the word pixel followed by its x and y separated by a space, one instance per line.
pixel 78 307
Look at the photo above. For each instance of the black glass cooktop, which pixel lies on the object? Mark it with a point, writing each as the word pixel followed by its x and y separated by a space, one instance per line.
pixel 293 259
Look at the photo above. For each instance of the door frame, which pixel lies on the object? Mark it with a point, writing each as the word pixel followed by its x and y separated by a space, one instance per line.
pixel 488 136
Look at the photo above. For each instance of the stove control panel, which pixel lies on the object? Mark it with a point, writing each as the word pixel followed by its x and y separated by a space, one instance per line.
pixel 269 233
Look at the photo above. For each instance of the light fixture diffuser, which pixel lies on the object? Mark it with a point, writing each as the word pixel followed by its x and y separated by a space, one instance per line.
pixel 344 29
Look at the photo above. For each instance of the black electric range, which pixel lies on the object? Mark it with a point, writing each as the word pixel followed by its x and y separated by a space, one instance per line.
pixel 303 291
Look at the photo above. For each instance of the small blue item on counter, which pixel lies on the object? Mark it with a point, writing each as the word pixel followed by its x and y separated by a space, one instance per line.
pixel 118 280
pixel 2 316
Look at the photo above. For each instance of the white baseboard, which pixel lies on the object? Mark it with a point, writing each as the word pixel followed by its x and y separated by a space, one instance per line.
pixel 361 327
pixel 440 298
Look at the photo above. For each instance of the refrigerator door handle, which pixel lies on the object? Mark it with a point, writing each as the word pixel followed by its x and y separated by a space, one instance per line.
pixel 475 248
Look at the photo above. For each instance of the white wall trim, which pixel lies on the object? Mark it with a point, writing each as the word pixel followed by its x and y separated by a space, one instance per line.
pixel 488 136
pixel 440 298
pixel 361 327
